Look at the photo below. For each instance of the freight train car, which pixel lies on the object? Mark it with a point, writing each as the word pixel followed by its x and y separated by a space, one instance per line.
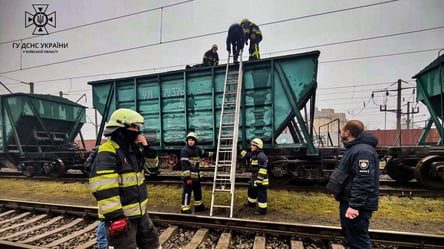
pixel 37 134
pixel 424 162
pixel 278 93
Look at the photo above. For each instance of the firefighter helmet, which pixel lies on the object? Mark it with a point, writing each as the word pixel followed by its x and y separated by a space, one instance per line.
pixel 244 21
pixel 192 135
pixel 258 142
pixel 123 118
pixel 214 46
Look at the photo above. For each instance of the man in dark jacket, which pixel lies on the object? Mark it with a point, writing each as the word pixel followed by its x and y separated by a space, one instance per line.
pixel 235 39
pixel 211 57
pixel 117 182
pixel 258 185
pixel 355 183
pixel 190 156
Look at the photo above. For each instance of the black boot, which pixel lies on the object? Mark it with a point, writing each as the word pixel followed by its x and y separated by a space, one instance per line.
pixel 186 211
pixel 260 211
pixel 199 208
pixel 250 204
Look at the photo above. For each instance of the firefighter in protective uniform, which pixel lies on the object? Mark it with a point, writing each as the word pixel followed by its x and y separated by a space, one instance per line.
pixel 211 57
pixel 257 165
pixel 189 158
pixel 117 182
pixel 254 34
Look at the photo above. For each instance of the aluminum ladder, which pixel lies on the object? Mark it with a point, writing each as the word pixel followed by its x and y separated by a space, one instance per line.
pixel 226 154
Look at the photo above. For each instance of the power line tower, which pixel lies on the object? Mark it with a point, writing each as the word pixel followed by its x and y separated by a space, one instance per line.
pixel 398 110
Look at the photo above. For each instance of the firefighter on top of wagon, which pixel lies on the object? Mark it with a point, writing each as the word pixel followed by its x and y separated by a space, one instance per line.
pixel 254 34
pixel 189 159
pixel 257 165
pixel 211 57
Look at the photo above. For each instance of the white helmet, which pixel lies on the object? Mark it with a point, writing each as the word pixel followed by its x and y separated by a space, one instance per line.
pixel 258 142
pixel 192 135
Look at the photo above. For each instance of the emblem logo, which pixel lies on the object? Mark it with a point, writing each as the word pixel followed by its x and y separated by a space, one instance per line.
pixel 363 164
pixel 40 19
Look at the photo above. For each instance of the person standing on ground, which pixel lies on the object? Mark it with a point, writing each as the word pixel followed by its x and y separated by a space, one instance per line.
pixel 235 40
pixel 191 175
pixel 355 183
pixel 258 185
pixel 117 182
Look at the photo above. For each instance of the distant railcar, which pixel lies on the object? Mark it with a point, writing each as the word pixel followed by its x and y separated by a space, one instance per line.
pixel 424 162
pixel 37 133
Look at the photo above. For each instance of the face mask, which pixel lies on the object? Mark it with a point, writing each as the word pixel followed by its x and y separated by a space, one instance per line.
pixel 131 135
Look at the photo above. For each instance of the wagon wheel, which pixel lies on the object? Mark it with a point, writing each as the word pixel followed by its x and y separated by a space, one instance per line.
pixel 399 170
pixel 278 171
pixel 30 169
pixel 172 161
pixel 430 172
pixel 56 169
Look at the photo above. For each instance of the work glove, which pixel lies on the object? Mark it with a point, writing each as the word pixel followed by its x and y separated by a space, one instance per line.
pixel 243 152
pixel 257 183
pixel 189 182
pixel 118 227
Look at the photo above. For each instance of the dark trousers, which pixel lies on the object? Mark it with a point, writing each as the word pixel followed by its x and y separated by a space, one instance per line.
pixel 236 49
pixel 254 48
pixel 186 193
pixel 259 193
pixel 355 230
pixel 141 234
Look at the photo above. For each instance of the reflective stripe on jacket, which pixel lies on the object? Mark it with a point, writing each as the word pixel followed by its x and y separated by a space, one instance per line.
pixel 117 182
pixel 189 160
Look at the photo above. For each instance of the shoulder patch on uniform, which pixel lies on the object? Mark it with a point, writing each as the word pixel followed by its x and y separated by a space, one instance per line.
pixel 363 164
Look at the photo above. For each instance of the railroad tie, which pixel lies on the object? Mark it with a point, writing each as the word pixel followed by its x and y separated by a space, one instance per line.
pixel 18 217
pixel 297 244
pixel 92 226
pixel 49 233
pixel 337 246
pixel 224 241
pixel 199 237
pixel 167 234
pixel 259 242
pixel 34 228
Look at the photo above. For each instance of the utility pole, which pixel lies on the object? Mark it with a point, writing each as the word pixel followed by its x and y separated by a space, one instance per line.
pixel 398 110
pixel 398 114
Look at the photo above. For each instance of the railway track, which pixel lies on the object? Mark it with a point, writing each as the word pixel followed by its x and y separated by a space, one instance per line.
pixel 42 225
pixel 388 187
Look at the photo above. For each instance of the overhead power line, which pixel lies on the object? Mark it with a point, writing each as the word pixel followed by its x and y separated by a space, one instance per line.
pixel 192 37
pixel 101 21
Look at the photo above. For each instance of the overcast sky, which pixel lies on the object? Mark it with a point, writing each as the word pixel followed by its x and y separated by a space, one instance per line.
pixel 366 46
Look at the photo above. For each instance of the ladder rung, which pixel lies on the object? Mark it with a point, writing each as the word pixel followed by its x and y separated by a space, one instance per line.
pixel 223 175
pixel 224 164
pixel 227 189
pixel 221 206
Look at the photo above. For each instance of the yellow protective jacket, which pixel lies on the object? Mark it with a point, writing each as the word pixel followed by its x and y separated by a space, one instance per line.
pixel 117 181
